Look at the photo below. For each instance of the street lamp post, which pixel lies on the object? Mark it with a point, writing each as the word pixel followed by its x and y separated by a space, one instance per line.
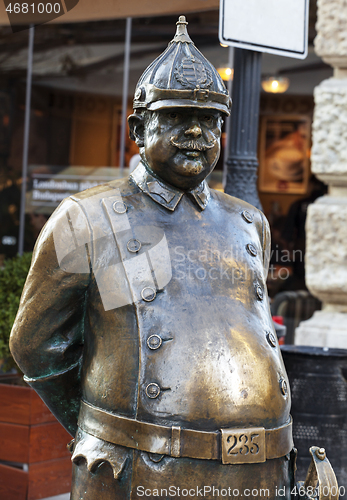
pixel 242 161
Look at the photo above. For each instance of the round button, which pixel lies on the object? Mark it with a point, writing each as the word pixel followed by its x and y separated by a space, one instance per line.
pixel 271 339
pixel 134 246
pixel 283 387
pixel 251 249
pixel 148 294
pixel 247 216
pixel 119 207
pixel 152 390
pixel 154 342
pixel 260 293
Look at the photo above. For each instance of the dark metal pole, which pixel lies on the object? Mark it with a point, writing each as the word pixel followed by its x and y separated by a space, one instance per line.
pixel 26 139
pixel 242 162
pixel 125 94
pixel 228 119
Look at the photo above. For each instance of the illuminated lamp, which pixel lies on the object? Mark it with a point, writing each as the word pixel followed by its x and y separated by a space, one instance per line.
pixel 275 84
pixel 226 74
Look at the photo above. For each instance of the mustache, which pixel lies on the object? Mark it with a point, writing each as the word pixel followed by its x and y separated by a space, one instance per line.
pixel 192 144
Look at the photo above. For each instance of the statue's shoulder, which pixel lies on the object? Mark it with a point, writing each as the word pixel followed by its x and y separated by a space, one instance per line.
pixel 123 187
pixel 234 205
pixel 82 215
pixel 87 204
pixel 241 212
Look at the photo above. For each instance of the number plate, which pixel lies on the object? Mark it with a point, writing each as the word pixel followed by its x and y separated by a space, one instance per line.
pixel 243 446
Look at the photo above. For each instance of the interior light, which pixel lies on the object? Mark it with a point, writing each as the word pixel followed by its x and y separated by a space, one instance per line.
pixel 275 84
pixel 226 74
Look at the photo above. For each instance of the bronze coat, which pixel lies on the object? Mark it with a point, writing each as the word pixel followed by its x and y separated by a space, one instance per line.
pixel 82 328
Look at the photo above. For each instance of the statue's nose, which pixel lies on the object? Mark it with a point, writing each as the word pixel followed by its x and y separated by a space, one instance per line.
pixel 194 131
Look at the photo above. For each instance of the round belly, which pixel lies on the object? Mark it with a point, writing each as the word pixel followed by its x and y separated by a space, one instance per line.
pixel 214 375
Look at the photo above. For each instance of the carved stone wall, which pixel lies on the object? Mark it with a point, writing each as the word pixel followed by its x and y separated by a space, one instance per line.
pixel 329 149
pixel 326 255
pixel 331 40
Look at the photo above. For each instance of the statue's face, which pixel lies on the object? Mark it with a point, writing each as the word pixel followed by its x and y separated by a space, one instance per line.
pixel 182 145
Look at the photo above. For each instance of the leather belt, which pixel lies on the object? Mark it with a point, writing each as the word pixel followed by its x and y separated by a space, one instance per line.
pixel 231 446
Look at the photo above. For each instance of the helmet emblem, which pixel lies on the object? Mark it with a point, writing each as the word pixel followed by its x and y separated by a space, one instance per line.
pixel 193 73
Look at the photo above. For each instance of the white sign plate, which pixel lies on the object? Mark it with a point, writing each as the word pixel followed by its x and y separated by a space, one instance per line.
pixel 275 26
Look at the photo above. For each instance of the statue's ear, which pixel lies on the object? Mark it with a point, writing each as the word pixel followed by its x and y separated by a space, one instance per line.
pixel 137 129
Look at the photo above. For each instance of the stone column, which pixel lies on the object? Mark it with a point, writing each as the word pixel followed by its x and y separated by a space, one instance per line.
pixel 326 226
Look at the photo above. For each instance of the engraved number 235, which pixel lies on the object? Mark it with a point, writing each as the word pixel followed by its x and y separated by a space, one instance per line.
pixel 240 445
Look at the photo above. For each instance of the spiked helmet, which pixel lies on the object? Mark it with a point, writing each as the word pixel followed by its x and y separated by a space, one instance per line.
pixel 181 77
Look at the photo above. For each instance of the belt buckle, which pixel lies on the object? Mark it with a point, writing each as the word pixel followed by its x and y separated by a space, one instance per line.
pixel 243 446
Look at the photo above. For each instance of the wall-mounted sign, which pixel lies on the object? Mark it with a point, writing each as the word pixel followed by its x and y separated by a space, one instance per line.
pixel 275 26
pixel 49 185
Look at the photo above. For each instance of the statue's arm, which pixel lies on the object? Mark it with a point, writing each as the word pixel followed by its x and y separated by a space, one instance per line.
pixel 47 335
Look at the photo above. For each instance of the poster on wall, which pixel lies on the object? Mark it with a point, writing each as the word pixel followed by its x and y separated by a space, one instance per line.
pixel 284 156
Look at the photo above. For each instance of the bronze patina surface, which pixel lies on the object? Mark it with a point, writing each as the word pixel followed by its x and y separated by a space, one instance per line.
pixel 146 299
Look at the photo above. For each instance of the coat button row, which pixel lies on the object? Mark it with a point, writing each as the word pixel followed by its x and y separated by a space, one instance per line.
pixel 251 249
pixel 248 217
pixel 270 337
pixel 148 294
pixel 119 207
pixel 134 245
pixel 283 387
pixel 259 292
pixel 154 342
pixel 152 390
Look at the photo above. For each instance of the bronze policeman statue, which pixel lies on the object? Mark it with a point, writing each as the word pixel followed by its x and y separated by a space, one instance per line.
pixel 144 323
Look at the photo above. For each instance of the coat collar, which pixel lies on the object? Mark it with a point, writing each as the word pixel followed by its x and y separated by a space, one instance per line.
pixel 165 195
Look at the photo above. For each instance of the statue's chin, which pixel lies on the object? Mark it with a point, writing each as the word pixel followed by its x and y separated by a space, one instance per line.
pixel 189 168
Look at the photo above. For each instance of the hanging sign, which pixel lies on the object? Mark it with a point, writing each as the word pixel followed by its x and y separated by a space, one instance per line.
pixel 275 26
